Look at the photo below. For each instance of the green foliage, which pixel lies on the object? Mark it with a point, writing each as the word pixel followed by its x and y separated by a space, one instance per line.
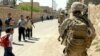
pixel 28 8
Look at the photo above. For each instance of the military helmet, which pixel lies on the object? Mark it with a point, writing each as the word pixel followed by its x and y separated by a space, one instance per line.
pixel 62 11
pixel 77 6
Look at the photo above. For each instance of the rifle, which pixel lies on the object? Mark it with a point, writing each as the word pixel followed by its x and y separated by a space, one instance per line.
pixel 64 35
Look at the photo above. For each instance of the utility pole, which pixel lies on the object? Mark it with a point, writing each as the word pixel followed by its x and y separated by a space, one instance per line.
pixel 31 9
pixel 52 7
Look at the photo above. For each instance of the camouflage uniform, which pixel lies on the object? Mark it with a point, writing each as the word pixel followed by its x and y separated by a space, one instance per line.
pixel 76 46
pixel 62 17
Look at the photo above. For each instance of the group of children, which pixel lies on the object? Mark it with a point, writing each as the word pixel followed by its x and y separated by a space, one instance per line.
pixel 24 29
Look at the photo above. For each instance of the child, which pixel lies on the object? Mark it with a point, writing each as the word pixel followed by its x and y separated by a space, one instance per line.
pixel 29 27
pixel 7 42
pixel 21 28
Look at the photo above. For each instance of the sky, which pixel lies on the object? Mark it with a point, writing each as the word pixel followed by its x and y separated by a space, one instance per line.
pixel 60 3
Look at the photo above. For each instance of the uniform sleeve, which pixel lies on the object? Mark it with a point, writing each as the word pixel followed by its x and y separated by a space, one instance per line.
pixel 59 19
pixel 64 26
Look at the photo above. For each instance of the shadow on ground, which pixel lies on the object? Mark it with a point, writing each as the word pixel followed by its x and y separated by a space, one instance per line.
pixel 18 44
pixel 35 39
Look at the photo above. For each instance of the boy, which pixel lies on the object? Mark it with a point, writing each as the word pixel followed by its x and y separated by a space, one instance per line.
pixel 7 42
pixel 21 28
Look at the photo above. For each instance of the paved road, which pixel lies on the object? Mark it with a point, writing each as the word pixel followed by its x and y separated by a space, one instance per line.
pixel 44 42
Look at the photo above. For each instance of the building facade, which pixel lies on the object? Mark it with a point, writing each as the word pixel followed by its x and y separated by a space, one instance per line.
pixel 46 9
pixel 10 3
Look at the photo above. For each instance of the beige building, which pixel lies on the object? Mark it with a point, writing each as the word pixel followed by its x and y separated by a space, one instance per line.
pixel 8 3
pixel 46 9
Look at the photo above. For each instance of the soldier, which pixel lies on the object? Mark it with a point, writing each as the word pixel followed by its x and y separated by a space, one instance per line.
pixel 78 30
pixel 62 17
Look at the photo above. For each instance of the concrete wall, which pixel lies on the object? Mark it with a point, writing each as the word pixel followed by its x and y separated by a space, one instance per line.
pixel 94 15
pixel 16 14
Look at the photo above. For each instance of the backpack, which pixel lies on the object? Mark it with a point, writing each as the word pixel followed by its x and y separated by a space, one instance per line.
pixel 4 41
pixel 80 30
